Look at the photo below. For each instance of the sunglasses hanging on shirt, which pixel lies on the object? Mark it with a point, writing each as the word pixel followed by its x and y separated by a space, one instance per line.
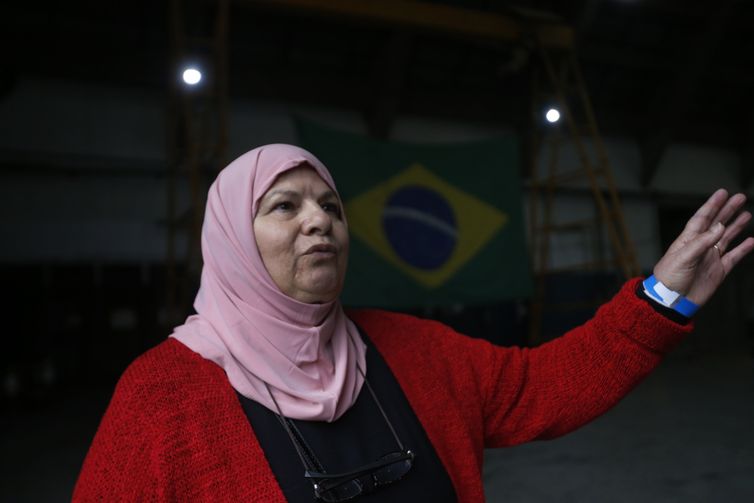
pixel 335 487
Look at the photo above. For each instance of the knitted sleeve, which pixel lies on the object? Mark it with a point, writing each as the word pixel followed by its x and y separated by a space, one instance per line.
pixel 120 463
pixel 553 389
pixel 468 390
pixel 175 431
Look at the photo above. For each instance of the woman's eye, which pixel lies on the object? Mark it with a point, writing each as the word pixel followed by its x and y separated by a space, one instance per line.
pixel 283 206
pixel 332 208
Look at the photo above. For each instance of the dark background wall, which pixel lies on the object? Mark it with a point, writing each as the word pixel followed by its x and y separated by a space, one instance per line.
pixel 85 118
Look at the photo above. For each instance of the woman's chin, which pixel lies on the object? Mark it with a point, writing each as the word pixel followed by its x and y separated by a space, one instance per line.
pixel 320 291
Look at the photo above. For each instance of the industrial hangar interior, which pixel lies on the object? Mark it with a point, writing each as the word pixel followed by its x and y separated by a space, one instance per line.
pixel 107 153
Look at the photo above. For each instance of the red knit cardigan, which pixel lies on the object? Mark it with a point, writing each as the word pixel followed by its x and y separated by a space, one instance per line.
pixel 175 430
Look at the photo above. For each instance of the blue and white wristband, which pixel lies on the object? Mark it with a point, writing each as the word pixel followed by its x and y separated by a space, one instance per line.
pixel 668 298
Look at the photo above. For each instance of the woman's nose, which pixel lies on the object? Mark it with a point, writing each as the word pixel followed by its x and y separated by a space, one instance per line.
pixel 316 220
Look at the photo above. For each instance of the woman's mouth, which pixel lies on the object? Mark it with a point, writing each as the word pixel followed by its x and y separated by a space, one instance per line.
pixel 323 250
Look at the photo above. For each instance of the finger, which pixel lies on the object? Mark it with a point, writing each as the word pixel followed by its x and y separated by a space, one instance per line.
pixel 702 220
pixel 734 256
pixel 696 248
pixel 704 216
pixel 731 207
pixel 733 230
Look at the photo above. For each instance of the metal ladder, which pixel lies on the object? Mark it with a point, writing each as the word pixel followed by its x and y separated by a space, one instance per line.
pixel 197 136
pixel 568 92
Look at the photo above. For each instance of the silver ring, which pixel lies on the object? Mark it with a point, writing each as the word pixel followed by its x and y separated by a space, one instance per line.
pixel 719 250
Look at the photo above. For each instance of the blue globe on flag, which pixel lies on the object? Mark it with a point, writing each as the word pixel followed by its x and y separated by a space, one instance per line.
pixel 420 226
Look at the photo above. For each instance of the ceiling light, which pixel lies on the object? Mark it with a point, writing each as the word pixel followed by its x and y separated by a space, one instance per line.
pixel 192 76
pixel 552 115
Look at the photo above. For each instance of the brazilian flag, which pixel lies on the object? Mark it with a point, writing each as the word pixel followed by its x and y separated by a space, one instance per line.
pixel 430 225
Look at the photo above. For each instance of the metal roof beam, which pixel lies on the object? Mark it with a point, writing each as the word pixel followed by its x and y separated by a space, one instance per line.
pixel 433 17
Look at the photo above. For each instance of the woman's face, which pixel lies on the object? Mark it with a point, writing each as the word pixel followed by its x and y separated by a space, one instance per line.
pixel 302 237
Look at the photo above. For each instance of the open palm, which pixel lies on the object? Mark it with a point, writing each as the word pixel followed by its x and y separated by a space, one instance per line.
pixel 699 260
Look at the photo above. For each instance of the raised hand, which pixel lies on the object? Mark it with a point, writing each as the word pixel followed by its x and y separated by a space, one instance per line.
pixel 699 259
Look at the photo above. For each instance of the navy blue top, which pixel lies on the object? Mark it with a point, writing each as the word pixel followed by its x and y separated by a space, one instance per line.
pixel 358 437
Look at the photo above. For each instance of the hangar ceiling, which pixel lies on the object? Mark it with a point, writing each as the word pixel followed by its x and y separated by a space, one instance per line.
pixel 657 71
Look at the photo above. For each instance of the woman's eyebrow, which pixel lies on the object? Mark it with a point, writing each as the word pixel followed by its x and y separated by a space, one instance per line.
pixel 280 192
pixel 328 194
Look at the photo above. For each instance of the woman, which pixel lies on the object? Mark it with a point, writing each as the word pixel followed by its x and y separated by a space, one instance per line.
pixel 272 393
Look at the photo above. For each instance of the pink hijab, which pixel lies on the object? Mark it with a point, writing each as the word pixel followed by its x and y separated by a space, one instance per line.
pixel 308 355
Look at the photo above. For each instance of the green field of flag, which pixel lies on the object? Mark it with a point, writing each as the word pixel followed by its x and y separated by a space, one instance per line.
pixel 430 225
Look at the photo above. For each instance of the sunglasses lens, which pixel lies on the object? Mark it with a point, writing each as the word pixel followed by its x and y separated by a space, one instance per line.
pixel 394 471
pixel 342 492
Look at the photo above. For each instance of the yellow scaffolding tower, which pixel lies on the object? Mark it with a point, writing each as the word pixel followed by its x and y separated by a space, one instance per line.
pixel 566 90
pixel 197 134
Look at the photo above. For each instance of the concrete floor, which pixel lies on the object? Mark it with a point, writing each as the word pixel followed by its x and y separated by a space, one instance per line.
pixel 686 434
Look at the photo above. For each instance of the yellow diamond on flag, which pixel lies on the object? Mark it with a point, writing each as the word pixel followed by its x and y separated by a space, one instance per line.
pixel 423 225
